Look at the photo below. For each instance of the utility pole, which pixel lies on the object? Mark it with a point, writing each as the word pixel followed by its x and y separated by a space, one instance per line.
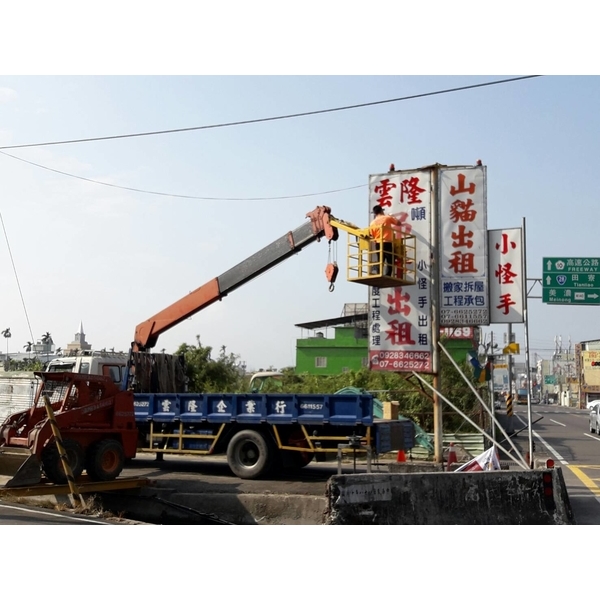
pixel 490 360
pixel 527 365
pixel 438 436
pixel 510 396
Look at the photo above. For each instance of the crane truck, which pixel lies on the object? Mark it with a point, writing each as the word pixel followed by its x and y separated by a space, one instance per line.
pixel 257 432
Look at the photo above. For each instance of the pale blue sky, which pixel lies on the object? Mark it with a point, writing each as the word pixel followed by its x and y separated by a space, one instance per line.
pixel 113 258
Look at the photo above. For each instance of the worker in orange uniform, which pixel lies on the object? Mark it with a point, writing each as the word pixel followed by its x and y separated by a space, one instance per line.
pixel 381 231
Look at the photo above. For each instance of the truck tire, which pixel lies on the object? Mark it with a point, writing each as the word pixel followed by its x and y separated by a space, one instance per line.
pixel 105 460
pixel 249 454
pixel 52 464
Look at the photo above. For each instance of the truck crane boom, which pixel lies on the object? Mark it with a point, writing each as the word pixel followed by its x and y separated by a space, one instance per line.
pixel 321 224
pixel 364 266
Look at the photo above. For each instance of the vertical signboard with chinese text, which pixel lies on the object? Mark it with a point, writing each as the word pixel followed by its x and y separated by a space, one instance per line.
pixel 400 318
pixel 506 260
pixel 463 246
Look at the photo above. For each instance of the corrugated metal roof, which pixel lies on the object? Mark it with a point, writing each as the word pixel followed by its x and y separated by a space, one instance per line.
pixel 348 320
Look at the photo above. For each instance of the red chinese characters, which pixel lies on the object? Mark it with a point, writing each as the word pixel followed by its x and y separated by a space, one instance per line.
pixel 410 190
pixel 400 333
pixel 505 245
pixel 463 262
pixel 383 190
pixel 461 210
pixel 461 189
pixel 506 285
pixel 398 302
pixel 505 303
pixel 505 274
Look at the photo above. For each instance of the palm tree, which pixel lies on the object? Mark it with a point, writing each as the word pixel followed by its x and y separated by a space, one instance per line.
pixel 28 347
pixel 7 334
pixel 47 341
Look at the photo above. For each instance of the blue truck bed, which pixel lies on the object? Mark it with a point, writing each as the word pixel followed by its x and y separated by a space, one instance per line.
pixel 274 409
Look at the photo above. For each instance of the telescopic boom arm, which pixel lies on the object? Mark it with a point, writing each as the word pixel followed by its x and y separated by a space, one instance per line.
pixel 321 224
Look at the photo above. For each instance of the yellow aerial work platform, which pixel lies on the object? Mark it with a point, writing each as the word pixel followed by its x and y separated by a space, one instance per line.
pixel 367 264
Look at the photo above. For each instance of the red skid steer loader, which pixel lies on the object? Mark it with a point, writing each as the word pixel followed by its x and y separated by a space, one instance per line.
pixel 96 423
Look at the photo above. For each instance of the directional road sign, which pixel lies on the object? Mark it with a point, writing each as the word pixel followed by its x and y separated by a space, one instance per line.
pixel 571 281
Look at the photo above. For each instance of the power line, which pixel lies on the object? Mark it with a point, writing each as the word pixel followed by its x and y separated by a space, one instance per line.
pixel 131 189
pixel 276 118
pixel 17 278
pixel 192 197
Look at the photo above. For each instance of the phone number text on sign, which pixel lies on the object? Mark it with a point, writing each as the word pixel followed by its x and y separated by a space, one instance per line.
pixel 400 360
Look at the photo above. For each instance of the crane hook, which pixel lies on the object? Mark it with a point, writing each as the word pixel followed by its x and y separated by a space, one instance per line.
pixel 331 271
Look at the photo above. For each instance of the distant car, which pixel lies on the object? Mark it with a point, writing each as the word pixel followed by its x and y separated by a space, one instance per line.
pixel 497 402
pixel 595 419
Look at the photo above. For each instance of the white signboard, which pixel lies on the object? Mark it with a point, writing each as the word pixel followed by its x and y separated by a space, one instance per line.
pixel 463 246
pixel 505 248
pixel 400 318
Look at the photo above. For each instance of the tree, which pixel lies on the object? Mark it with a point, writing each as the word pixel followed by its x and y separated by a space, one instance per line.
pixel 28 346
pixel 414 400
pixel 7 334
pixel 224 374
pixel 47 341
pixel 206 374
pixel 27 364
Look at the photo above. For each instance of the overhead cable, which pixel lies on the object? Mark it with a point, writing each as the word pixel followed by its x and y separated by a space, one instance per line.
pixel 131 189
pixel 276 118
pixel 17 278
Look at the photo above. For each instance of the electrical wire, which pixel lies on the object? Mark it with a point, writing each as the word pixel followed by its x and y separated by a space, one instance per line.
pixel 131 189
pixel 261 198
pixel 17 278
pixel 276 118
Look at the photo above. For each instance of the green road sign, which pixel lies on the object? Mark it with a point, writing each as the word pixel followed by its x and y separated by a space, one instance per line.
pixel 571 281
pixel 549 379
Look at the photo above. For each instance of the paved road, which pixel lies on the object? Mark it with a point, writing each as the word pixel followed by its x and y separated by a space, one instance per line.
pixel 212 474
pixel 563 433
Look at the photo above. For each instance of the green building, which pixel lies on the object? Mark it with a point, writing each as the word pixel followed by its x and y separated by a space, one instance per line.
pixel 341 344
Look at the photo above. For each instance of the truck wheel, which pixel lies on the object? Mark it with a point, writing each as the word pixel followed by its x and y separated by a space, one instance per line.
pixel 105 460
pixel 52 464
pixel 249 455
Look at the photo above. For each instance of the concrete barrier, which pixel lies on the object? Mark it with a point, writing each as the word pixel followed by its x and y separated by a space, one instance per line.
pixel 476 498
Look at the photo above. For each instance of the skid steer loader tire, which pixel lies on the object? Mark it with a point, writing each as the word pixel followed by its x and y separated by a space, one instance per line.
pixel 52 464
pixel 105 460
